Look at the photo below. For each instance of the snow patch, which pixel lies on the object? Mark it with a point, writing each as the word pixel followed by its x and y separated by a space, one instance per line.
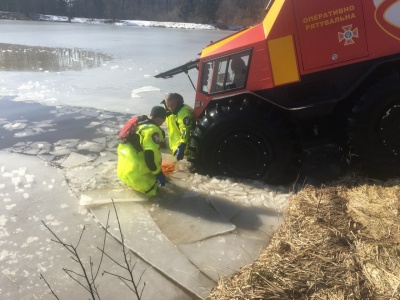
pixel 3 220
pixel 32 239
pixel 11 206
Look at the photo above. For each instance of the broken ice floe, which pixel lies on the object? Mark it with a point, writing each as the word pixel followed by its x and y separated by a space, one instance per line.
pixel 33 91
pixel 246 192
pixel 89 201
pixel 135 93
pixel 23 128
pixel 75 159
pixel 14 125
pixel 68 143
pixel 190 220
pixel 93 124
pixel 91 146
pixel 227 202
pixel 59 151
pixel 156 247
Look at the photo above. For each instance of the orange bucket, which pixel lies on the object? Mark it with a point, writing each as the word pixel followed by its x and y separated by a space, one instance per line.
pixel 168 168
pixel 168 163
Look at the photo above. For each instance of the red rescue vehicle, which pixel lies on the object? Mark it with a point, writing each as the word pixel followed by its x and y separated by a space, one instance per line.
pixel 311 72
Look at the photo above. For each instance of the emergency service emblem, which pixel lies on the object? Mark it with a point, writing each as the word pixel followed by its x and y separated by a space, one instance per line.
pixel 156 137
pixel 186 121
pixel 348 35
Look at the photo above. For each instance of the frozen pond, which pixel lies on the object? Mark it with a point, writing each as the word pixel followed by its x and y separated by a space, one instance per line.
pixel 208 227
pixel 65 91
pixel 103 66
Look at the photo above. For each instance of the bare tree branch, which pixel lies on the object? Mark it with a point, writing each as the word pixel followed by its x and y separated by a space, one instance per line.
pixel 76 280
pixel 48 285
pixel 77 244
pixel 128 266
pixel 75 257
pixel 113 260
pixel 90 275
pixel 104 245
pixel 123 279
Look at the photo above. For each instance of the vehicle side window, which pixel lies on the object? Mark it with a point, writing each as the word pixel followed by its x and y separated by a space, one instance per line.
pixel 207 77
pixel 238 65
pixel 226 73
pixel 214 75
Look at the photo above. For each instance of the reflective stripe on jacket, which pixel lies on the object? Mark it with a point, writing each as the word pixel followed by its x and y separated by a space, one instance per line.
pixel 132 168
pixel 150 138
pixel 179 126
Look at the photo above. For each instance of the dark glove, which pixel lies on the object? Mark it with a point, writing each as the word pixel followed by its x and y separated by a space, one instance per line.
pixel 161 178
pixel 179 152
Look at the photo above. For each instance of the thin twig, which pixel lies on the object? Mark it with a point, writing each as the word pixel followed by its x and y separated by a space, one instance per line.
pixel 80 237
pixel 140 278
pixel 48 285
pixel 113 260
pixel 85 275
pixel 80 275
pixel 80 283
pixel 116 275
pixel 122 280
pixel 76 258
pixel 58 239
pixel 128 266
pixel 104 246
pixel 144 283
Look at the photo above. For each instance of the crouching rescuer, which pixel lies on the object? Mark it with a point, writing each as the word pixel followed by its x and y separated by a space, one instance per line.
pixel 179 124
pixel 139 155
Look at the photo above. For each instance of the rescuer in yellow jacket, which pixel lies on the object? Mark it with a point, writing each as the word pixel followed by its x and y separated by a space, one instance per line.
pixel 142 169
pixel 179 124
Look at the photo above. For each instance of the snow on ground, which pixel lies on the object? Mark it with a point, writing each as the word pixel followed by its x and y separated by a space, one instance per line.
pixel 51 18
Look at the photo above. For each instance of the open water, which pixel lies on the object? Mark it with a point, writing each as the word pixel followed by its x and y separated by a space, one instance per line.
pixel 99 66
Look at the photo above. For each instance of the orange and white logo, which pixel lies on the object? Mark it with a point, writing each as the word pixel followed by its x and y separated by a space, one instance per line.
pixel 387 14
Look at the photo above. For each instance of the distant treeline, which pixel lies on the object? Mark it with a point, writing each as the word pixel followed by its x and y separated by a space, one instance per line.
pixel 219 12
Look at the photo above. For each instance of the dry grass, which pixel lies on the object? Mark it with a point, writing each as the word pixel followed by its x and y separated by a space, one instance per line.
pixel 341 241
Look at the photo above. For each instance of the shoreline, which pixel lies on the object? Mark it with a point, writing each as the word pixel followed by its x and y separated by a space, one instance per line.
pixel 117 22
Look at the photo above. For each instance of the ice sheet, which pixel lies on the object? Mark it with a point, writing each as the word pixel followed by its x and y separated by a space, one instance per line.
pixel 187 220
pixel 26 250
pixel 75 159
pixel 221 256
pixel 143 237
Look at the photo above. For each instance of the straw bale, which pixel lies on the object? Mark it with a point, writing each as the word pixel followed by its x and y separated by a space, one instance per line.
pixel 340 241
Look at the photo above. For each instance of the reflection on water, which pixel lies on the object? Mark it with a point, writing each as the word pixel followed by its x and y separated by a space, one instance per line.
pixel 41 59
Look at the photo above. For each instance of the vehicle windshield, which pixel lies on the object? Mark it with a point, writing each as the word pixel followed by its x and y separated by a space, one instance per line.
pixel 225 73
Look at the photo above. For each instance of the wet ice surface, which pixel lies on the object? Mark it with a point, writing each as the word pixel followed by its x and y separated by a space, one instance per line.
pixel 101 66
pixel 197 230
pixel 32 191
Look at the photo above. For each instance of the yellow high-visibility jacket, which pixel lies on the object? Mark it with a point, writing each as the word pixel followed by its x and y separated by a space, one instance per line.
pixel 139 169
pixel 179 125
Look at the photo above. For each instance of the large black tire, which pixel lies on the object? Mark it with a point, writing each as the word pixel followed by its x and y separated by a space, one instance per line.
pixel 374 128
pixel 244 143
